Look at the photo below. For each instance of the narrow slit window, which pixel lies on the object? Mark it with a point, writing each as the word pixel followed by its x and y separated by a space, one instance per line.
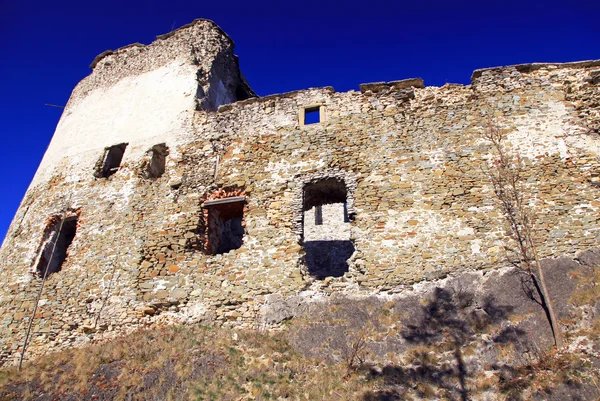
pixel 318 215
pixel 312 115
pixel 156 167
pixel 112 160
pixel 55 250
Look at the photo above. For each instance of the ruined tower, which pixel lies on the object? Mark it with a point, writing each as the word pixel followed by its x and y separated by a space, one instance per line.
pixel 129 116
pixel 172 193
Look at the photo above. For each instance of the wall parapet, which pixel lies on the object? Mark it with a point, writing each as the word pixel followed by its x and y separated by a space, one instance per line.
pixel 531 67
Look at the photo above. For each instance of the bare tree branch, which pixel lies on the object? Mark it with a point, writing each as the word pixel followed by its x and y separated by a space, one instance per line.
pixel 505 173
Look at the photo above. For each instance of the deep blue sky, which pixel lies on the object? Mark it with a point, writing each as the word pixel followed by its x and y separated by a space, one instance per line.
pixel 46 47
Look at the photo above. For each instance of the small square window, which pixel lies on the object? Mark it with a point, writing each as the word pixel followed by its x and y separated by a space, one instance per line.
pixel 312 115
pixel 225 220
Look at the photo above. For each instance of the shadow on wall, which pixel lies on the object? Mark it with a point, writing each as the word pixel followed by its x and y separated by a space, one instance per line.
pixel 467 337
pixel 450 354
pixel 328 258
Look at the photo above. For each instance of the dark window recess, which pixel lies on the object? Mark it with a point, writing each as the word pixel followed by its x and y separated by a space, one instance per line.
pixel 56 248
pixel 318 215
pixel 312 115
pixel 156 167
pixel 225 225
pixel 112 160
pixel 346 217
pixel 324 192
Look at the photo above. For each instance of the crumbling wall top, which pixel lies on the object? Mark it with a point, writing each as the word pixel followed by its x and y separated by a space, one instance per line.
pixel 530 67
pixel 396 85
pixel 206 23
pixel 286 95
pixel 196 45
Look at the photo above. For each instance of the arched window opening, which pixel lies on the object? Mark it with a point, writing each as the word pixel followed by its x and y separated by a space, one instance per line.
pixel 326 228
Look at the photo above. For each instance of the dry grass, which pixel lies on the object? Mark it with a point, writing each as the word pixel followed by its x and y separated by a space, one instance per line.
pixel 185 363
pixel 548 371
pixel 484 381
pixel 201 363
pixel 590 294
pixel 422 355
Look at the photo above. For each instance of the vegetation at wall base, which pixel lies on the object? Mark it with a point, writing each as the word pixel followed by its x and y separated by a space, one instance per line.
pixel 203 363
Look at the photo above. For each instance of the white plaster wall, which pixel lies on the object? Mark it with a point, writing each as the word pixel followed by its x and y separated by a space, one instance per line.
pixel 141 110
pixel 549 132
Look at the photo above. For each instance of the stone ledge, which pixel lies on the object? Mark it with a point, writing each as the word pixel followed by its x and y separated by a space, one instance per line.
pixel 407 83
pixel 224 201
pixel 392 85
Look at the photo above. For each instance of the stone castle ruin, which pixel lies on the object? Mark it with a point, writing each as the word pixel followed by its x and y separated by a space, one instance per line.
pixel 171 193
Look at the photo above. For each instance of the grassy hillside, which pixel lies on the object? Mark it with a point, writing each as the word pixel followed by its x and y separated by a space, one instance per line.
pixel 471 337
pixel 199 363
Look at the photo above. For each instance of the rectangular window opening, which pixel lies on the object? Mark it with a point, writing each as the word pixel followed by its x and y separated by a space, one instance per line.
pixel 312 115
pixel 225 224
pixel 55 250
pixel 112 160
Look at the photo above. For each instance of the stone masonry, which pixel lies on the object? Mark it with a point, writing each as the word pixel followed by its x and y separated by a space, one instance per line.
pixel 157 244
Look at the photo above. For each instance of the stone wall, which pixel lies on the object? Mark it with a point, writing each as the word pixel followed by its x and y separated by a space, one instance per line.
pixel 411 161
